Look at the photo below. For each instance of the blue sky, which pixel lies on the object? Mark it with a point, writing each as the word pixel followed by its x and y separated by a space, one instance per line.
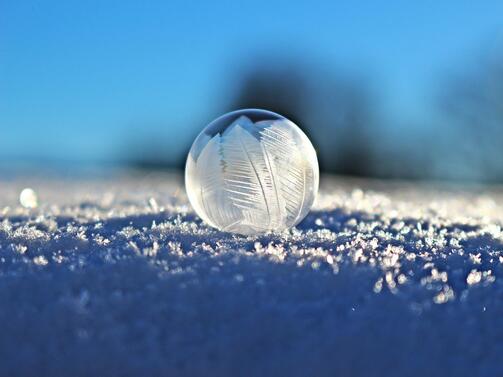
pixel 79 80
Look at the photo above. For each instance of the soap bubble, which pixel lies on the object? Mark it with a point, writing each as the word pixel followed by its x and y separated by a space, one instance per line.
pixel 252 171
pixel 28 198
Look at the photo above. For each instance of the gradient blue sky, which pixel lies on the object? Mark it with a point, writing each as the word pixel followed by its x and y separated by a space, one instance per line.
pixel 79 79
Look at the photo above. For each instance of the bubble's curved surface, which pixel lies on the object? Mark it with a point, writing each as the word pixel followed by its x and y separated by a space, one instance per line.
pixel 252 171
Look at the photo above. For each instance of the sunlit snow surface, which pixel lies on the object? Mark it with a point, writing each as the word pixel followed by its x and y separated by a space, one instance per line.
pixel 119 277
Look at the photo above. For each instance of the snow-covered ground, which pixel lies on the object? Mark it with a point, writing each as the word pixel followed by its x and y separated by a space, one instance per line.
pixel 118 277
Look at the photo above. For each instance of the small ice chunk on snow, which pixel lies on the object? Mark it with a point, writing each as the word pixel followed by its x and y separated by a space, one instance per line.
pixel 40 260
pixel 474 277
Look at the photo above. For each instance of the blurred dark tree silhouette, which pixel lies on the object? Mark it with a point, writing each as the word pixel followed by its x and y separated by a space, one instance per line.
pixel 336 114
pixel 280 90
pixel 340 114
pixel 472 111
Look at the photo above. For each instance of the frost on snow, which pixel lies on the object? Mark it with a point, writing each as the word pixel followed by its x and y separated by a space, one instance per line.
pixel 120 275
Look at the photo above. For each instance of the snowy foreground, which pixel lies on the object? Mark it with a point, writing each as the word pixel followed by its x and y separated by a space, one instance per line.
pixel 118 277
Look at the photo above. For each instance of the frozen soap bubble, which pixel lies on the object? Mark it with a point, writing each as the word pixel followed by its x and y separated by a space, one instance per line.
pixel 252 171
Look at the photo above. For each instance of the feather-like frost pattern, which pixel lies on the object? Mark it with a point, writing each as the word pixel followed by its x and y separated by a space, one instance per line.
pixel 291 174
pixel 247 178
pixel 212 186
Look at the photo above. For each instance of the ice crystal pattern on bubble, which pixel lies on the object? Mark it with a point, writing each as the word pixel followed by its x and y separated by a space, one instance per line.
pixel 252 177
